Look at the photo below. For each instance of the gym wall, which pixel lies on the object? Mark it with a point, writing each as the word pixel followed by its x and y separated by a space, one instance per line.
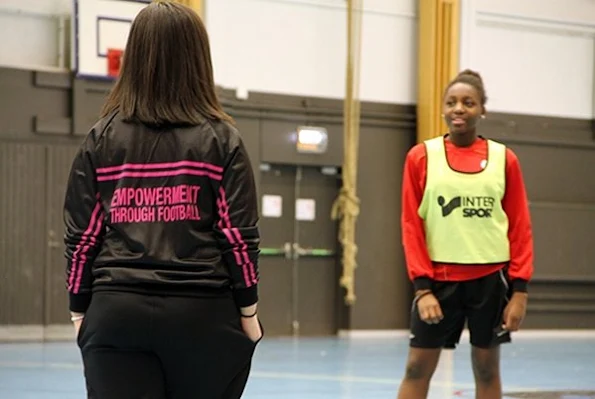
pixel 44 115
pixel 536 56
pixel 539 104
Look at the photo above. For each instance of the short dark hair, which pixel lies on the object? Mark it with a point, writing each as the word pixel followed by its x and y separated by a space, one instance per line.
pixel 471 78
pixel 167 73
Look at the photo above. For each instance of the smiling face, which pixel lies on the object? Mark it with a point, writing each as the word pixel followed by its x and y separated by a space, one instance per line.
pixel 462 107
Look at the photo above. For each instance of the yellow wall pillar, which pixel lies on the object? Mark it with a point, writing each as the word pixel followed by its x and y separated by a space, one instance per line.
pixel 197 5
pixel 438 61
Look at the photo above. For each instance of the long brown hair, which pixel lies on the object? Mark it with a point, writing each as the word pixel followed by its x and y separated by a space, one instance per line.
pixel 167 74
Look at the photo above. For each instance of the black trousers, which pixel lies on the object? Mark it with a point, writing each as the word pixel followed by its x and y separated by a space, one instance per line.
pixel 152 347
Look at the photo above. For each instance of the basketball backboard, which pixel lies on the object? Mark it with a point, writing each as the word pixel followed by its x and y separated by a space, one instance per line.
pixel 100 25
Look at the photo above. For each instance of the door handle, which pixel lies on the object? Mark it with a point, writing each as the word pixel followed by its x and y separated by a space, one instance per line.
pixel 295 251
pixel 285 251
pixel 299 251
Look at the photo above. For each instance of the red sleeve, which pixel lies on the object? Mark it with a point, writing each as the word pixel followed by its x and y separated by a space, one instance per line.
pixel 520 234
pixel 419 266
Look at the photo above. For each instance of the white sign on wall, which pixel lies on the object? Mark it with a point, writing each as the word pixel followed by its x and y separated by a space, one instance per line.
pixel 272 206
pixel 305 209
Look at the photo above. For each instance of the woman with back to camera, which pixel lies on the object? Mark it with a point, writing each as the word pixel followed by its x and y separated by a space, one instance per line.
pixel 466 234
pixel 161 228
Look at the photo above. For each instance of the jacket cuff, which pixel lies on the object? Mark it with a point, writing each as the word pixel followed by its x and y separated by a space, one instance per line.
pixel 422 283
pixel 519 285
pixel 79 302
pixel 246 296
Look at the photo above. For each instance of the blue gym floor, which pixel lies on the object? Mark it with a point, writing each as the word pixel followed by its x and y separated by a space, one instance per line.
pixel 336 368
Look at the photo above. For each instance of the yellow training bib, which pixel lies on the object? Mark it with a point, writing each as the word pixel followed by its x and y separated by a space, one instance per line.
pixel 462 212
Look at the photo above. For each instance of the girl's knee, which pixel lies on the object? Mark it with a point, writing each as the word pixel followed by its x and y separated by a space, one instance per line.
pixel 421 366
pixel 486 365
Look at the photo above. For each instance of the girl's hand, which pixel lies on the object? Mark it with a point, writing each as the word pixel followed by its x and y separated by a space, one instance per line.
pixel 428 307
pixel 515 311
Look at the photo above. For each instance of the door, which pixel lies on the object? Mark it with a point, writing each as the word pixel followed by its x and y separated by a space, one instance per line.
pixel 31 233
pixel 298 262
pixel 59 161
pixel 22 233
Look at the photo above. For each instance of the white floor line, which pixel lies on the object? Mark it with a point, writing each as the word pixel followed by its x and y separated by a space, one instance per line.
pixel 65 333
pixel 36 333
pixel 449 384
pixel 37 365
pixel 533 334
pixel 445 373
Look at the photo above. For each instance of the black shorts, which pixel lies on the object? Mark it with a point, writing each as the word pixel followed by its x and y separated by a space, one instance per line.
pixel 480 303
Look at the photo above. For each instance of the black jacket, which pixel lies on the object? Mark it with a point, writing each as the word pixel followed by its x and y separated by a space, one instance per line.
pixel 170 211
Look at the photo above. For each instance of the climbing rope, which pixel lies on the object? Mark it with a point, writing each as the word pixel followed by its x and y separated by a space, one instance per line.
pixel 347 205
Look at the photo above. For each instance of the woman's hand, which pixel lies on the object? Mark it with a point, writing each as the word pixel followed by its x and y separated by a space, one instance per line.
pixel 251 327
pixel 250 323
pixel 428 307
pixel 77 320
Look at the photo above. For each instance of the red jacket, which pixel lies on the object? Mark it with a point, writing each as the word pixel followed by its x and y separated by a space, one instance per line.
pixel 422 271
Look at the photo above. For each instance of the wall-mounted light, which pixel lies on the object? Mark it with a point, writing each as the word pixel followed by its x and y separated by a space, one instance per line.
pixel 311 140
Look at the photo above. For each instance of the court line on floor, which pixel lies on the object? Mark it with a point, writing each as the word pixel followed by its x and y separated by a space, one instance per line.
pixel 372 380
pixel 275 375
pixel 520 335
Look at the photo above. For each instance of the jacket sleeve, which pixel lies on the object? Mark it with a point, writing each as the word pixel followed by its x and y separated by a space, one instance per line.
pixel 520 234
pixel 419 265
pixel 84 226
pixel 236 226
